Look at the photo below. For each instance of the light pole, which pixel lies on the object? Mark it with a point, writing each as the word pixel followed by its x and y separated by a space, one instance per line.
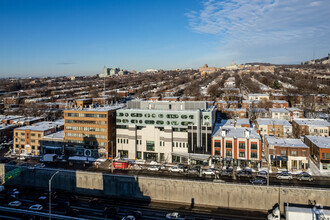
pixel 50 194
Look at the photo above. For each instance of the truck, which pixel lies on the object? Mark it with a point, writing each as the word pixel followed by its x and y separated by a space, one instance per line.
pixel 49 158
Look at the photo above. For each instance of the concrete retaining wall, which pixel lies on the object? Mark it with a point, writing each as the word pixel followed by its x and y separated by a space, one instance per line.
pixel 232 196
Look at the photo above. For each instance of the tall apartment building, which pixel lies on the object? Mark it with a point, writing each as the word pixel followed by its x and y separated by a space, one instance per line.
pixel 27 139
pixel 90 132
pixel 165 130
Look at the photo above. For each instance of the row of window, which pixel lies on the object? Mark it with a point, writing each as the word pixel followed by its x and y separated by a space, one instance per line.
pixel 151 143
pixel 240 154
pixel 321 131
pixel 148 115
pixel 293 153
pixel 240 145
pixel 86 115
pixel 23 134
pixel 85 129
pixel 85 122
pixel 86 135
pixel 152 122
pixel 32 147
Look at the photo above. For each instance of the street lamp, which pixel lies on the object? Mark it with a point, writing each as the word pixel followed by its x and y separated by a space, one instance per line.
pixel 50 194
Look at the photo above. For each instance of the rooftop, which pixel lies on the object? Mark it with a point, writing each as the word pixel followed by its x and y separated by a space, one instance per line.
pixel 319 141
pixel 231 122
pixel 235 132
pixel 269 121
pixel 56 135
pixel 42 126
pixel 312 122
pixel 285 142
pixel 99 109
pixel 279 110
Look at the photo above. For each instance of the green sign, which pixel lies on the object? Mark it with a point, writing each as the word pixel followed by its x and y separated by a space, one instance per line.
pixel 12 174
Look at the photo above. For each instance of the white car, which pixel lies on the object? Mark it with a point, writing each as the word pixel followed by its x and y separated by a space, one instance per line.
pixel 140 162
pixel 154 163
pixel 15 204
pixel 176 169
pixel 284 176
pixel 208 172
pixel 129 217
pixel 153 168
pixel 176 216
pixel 36 207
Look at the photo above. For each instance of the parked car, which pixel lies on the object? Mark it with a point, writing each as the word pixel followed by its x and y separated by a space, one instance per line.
pixel 137 167
pixel 15 203
pixel 154 163
pixel 176 169
pixel 262 173
pixel 208 172
pixel 36 207
pixel 72 212
pixel 304 176
pixel 227 172
pixel 246 173
pixel 137 214
pixel 284 176
pixel 258 181
pixel 140 162
pixel 13 192
pixel 175 216
pixel 128 217
pixel 194 171
pixel 153 168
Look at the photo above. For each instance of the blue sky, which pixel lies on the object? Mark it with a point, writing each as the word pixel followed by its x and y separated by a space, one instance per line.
pixel 79 37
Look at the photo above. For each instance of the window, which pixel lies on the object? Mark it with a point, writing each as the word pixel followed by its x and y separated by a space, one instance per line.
pixel 180 144
pixel 283 152
pixel 241 154
pixel 176 144
pixel 173 116
pixel 304 153
pixel 241 145
pixel 254 146
pixel 184 116
pixel 228 153
pixel 191 117
pixel 217 152
pixel 325 155
pixel 160 115
pixel 294 153
pixel 138 155
pixel 229 145
pixel 254 155
pixel 149 122
pixel 150 145
pixel 217 144
pixel 118 141
pixel 183 145
pixel 39 135
pixel 159 122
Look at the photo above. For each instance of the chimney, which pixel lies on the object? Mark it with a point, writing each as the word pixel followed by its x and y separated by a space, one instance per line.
pixel 223 132
pixel 247 133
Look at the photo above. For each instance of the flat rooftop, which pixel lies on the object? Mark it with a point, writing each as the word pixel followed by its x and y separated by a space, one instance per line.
pixel 319 141
pixel 312 122
pixel 285 142
pixel 98 109
pixel 270 121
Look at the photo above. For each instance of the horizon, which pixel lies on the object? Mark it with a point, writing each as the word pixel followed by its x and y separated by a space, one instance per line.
pixel 79 38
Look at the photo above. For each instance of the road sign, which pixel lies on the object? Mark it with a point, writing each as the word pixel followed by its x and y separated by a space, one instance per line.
pixel 13 173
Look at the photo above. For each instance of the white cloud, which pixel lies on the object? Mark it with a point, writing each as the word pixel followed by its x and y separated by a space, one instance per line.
pixel 245 24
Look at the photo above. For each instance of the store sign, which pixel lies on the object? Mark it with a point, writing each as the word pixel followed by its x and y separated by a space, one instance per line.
pixel 279 158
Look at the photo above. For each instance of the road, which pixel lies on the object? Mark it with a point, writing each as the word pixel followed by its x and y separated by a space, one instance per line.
pixel 156 211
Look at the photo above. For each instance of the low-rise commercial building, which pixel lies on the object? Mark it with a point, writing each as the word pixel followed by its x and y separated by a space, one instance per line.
pixel 319 150
pixel 291 154
pixel 237 146
pixel 258 96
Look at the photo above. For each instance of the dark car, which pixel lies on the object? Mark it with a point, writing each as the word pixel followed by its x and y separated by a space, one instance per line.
pixel 258 181
pixel 194 170
pixel 244 173
pixel 227 172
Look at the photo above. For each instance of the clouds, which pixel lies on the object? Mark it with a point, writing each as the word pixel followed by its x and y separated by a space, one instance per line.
pixel 242 25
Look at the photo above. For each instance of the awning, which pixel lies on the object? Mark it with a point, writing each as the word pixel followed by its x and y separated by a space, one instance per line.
pixel 52 147
pixel 82 158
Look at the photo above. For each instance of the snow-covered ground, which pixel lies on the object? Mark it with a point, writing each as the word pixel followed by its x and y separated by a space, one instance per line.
pixel 287 85
pixel 314 170
pixel 262 86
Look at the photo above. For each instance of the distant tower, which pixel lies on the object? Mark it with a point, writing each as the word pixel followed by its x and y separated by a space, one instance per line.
pixel 233 63
pixel 105 71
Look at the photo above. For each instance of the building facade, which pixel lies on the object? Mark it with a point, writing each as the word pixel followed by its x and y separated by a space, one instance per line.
pixel 164 130
pixel 277 127
pixel 319 150
pixel 307 126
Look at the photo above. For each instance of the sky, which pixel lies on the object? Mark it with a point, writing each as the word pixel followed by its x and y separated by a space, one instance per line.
pixel 80 37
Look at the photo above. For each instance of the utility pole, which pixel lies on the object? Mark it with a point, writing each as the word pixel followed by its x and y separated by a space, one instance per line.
pixel 50 194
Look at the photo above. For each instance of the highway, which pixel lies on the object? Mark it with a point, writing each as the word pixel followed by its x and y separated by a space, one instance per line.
pixel 156 211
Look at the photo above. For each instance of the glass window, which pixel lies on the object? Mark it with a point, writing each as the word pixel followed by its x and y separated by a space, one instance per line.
pixel 172 116
pixel 160 115
pixel 217 144
pixel 153 115
pixel 294 153
pixel 150 145
pixel 229 145
pixel 241 145
pixel 191 117
pixel 149 122
pixel 241 154
pixel 125 120
pixel 138 155
pixel 283 152
pixel 254 147
pixel 228 153
pixel 254 155
pixel 159 122
pixel 304 153
pixel 184 116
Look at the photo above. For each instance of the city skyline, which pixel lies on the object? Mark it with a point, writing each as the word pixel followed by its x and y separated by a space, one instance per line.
pixel 50 38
